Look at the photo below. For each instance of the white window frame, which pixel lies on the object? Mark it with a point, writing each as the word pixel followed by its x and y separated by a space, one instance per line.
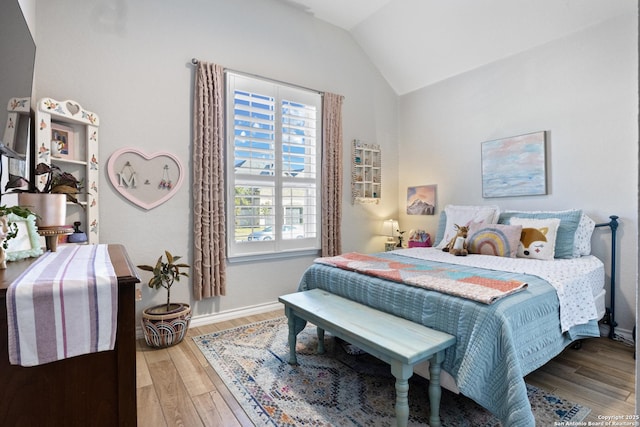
pixel 278 246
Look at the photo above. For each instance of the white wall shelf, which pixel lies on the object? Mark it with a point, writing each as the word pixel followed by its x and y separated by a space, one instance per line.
pixel 366 174
pixel 81 158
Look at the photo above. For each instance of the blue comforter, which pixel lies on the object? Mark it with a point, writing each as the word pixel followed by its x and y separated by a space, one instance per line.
pixel 496 345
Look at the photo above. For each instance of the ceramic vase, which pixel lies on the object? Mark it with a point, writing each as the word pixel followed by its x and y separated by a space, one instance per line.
pixel 50 209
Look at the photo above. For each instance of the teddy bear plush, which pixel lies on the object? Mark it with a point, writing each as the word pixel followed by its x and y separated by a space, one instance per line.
pixel 458 244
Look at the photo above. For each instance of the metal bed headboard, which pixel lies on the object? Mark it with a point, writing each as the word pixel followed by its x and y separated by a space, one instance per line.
pixel 613 225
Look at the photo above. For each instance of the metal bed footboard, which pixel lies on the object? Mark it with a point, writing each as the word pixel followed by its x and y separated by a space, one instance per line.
pixel 613 225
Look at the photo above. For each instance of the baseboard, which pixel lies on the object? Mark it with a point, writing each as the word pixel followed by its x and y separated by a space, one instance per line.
pixel 234 314
pixel 623 335
pixel 208 319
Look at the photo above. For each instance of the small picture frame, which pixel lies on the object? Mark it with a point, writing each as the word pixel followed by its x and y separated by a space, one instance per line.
pixel 62 141
pixel 421 200
pixel 26 244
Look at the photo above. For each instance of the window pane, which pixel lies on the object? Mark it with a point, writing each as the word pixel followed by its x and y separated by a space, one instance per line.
pixel 254 133
pixel 299 204
pixel 298 139
pixel 254 212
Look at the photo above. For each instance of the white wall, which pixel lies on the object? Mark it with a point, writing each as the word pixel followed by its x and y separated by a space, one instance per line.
pixel 584 90
pixel 129 61
pixel 29 11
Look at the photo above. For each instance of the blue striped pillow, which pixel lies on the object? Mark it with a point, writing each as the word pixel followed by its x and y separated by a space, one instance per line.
pixel 442 226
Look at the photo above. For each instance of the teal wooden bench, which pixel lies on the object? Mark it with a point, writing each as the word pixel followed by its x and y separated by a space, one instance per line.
pixel 395 340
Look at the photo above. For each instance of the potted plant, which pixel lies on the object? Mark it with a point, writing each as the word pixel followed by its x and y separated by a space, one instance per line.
pixel 166 324
pixel 49 200
pixel 59 182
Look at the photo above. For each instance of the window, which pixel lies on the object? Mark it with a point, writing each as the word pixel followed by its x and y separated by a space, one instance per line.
pixel 273 167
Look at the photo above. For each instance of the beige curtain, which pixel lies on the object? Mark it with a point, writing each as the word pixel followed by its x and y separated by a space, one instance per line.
pixel 209 274
pixel 331 174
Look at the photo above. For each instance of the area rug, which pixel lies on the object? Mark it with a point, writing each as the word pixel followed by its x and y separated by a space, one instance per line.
pixel 341 387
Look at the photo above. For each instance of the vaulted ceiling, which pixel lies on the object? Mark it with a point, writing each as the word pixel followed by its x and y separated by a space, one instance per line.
pixel 415 43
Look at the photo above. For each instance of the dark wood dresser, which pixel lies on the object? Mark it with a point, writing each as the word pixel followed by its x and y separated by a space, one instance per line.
pixel 97 389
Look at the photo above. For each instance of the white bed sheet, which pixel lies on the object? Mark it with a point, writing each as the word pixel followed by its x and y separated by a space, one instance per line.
pixel 600 303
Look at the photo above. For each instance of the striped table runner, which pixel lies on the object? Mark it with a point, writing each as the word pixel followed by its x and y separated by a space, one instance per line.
pixel 63 305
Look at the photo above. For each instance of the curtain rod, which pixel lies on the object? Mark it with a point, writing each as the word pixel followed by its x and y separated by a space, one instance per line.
pixel 196 61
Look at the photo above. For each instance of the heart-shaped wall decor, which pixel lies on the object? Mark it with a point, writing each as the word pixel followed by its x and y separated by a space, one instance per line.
pixel 72 108
pixel 147 180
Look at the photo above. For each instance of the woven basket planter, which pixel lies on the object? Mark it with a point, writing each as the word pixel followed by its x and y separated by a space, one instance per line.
pixel 164 328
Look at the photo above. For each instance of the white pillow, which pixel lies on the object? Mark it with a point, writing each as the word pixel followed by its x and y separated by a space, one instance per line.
pixel 582 239
pixel 538 238
pixel 464 216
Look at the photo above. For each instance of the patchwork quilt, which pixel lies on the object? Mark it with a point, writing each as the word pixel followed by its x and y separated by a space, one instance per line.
pixel 485 286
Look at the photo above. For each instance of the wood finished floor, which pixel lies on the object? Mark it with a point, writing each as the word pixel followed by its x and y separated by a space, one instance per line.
pixel 177 387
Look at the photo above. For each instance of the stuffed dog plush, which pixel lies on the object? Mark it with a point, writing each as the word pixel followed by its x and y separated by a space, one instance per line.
pixel 458 244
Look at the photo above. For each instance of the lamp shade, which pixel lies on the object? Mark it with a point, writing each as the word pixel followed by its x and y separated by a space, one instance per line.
pixel 389 228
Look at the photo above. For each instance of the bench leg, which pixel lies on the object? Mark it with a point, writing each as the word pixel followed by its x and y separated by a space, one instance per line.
pixel 320 333
pixel 435 391
pixel 402 373
pixel 291 318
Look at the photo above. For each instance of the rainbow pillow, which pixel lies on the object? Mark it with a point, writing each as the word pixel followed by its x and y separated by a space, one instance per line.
pixel 494 239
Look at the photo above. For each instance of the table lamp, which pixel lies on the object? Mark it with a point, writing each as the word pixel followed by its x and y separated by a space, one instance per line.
pixel 390 229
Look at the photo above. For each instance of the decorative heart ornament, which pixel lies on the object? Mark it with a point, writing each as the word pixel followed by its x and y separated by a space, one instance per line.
pixel 73 108
pixel 145 180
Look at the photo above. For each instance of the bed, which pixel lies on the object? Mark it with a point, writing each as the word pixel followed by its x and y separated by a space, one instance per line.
pixel 500 341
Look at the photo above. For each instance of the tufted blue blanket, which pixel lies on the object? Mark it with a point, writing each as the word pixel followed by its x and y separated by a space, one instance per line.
pixel 496 345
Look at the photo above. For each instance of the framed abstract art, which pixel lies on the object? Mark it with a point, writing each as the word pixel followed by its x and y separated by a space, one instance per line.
pixel 515 166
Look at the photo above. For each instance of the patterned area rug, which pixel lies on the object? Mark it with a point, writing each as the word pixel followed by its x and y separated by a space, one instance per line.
pixel 338 388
